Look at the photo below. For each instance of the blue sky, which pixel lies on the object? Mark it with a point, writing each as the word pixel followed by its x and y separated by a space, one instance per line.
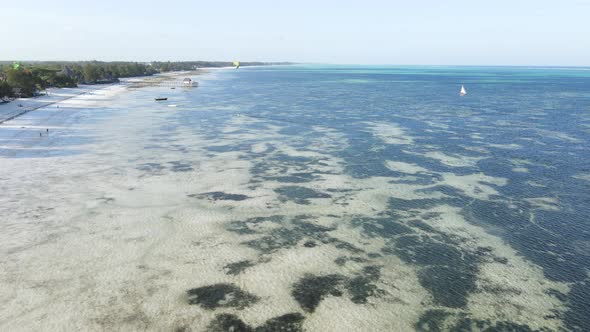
pixel 500 32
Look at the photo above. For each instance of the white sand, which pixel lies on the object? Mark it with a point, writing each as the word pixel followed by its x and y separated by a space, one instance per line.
pixel 408 168
pixel 52 97
pixel 585 177
pixel 390 133
pixel 454 160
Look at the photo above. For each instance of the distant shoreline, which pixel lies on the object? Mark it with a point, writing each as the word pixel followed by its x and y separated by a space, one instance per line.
pixel 11 110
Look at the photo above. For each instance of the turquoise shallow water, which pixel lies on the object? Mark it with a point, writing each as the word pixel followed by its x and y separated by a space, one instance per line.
pixel 318 198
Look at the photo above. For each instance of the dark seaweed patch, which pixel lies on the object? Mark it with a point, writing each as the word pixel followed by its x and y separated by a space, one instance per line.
pixel 309 244
pixel 440 320
pixel 237 267
pixel 291 322
pixel 221 196
pixel 557 294
pixel 179 166
pixel 291 232
pixel 249 225
pixel 448 273
pixel 382 227
pixel 341 244
pixel 299 195
pixel 227 323
pixel 343 259
pixel 432 321
pixel 449 286
pixel 220 295
pixel 310 290
pixel 361 286
pixel 150 167
pixel 294 178
pixel 577 318
pixel 278 238
pixel 561 263
pixel 467 324
pixel 430 253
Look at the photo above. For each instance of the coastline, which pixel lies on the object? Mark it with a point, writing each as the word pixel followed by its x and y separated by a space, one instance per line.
pixel 12 110
pixel 55 96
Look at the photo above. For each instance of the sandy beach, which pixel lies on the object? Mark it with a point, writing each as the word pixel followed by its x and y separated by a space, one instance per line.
pixel 52 96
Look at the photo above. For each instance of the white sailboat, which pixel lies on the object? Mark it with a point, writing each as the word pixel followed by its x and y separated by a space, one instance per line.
pixel 463 92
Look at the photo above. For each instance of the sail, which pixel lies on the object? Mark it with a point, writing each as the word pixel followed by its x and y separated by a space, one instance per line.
pixel 237 64
pixel 463 91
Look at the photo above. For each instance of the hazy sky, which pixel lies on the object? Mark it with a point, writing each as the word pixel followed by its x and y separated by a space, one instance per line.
pixel 510 32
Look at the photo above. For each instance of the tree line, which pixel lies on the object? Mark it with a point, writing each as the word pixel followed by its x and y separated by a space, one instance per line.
pixel 27 79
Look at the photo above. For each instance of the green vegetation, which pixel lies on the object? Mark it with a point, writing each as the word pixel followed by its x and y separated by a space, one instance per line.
pixel 27 79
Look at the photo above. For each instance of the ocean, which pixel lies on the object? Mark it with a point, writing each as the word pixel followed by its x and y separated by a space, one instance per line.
pixel 304 198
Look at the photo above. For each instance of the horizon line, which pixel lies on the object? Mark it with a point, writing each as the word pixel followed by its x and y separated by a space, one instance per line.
pixel 320 63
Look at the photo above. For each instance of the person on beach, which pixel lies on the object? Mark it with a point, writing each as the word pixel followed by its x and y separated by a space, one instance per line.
pixel 40 134
pixel 47 131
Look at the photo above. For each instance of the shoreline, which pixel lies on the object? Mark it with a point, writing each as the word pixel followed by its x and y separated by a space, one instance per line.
pixel 55 96
pixel 11 110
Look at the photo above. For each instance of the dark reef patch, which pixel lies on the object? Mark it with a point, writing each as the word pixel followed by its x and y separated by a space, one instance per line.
pixel 227 323
pixel 150 167
pixel 577 318
pixel 287 233
pixel 251 225
pixel 561 263
pixel 361 286
pixel 179 166
pixel 294 178
pixel 291 322
pixel 374 255
pixel 441 320
pixel 299 195
pixel 449 286
pixel 447 270
pixel 428 253
pixel 382 227
pixel 309 244
pixel 237 267
pixel 221 196
pixel 220 295
pixel 340 261
pixel 467 324
pixel 310 290
pixel 432 321
pixel 277 239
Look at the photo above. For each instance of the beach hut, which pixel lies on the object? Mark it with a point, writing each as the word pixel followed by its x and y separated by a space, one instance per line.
pixel 187 81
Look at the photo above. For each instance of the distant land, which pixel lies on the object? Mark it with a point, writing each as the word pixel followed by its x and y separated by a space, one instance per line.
pixel 27 78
